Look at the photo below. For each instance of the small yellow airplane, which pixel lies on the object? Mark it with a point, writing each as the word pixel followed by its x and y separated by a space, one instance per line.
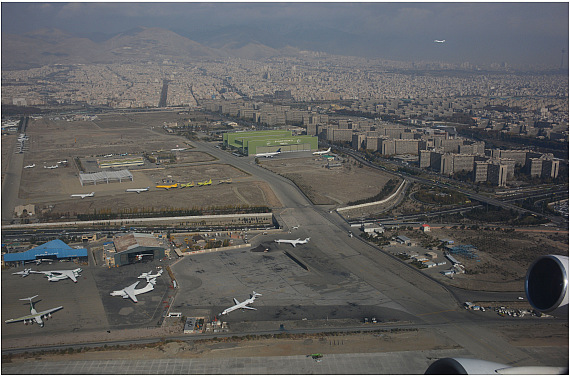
pixel 207 182
pixel 167 187
pixel 187 185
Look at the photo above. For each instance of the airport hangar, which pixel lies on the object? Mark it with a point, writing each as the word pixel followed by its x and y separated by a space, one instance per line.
pixel 55 250
pixel 251 143
pixel 133 247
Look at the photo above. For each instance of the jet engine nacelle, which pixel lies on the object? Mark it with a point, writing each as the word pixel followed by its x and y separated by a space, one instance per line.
pixel 465 366
pixel 546 285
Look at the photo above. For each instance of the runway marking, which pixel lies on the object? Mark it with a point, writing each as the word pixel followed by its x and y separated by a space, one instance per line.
pixel 435 313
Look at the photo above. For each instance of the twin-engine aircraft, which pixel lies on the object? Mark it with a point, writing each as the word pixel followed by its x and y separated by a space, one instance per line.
pixel 58 275
pixel 242 305
pixel 322 152
pixel 293 242
pixel 138 190
pixel 34 315
pixel 149 275
pixel 270 154
pixel 24 273
pixel 83 195
pixel 167 186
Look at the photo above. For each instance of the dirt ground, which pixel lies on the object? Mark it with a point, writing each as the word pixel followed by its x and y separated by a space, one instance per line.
pixel 520 334
pixel 54 140
pixel 334 186
pixel 504 257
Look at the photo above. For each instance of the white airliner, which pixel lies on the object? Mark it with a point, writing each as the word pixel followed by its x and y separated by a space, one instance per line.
pixel 30 166
pixel 149 275
pixel 138 190
pixel 84 195
pixel 131 292
pixel 242 305
pixel 269 155
pixel 178 149
pixel 439 41
pixel 52 167
pixel 58 275
pixel 34 315
pixel 322 152
pixel 293 242
pixel 24 273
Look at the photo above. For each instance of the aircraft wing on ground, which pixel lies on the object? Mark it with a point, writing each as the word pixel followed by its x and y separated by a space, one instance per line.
pixel 127 292
pixel 32 316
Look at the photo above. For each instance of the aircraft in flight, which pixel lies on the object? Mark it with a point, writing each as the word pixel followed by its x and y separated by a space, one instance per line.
pixel 439 41
pixel 167 187
pixel 138 190
pixel 149 275
pixel 24 273
pixel 293 242
pixel 204 183
pixel 30 166
pixel 242 305
pixel 131 292
pixel 270 154
pixel 322 152
pixel 34 315
pixel 84 195
pixel 58 275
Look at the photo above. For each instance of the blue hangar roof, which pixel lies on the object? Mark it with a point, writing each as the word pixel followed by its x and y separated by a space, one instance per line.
pixel 52 248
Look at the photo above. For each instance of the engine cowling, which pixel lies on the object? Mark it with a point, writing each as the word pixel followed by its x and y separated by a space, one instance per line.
pixel 465 366
pixel 546 285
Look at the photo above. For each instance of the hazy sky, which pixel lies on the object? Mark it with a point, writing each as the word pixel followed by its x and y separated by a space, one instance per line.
pixel 519 33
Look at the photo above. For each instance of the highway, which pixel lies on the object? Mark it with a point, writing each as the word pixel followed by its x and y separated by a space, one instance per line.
pixel 408 289
pixel 558 220
pixel 402 288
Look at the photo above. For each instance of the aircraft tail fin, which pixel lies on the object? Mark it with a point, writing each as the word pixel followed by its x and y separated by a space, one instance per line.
pixel 30 298
pixel 279 150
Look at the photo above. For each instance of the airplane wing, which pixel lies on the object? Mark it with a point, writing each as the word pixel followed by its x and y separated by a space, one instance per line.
pixel 33 316
pixel 246 307
pixel 236 301
pixel 130 291
pixel 70 274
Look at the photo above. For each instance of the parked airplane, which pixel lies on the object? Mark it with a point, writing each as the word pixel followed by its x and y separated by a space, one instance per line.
pixel 439 41
pixel 203 183
pixel 57 275
pixel 293 242
pixel 138 190
pixel 83 195
pixel 167 187
pixel 187 185
pixel 322 152
pixel 178 149
pixel 270 154
pixel 34 315
pixel 149 275
pixel 24 273
pixel 140 257
pixel 52 167
pixel 131 292
pixel 225 181
pixel 30 166
pixel 242 305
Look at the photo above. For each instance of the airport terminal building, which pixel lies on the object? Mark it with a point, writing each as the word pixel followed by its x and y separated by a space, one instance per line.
pixel 55 250
pixel 251 143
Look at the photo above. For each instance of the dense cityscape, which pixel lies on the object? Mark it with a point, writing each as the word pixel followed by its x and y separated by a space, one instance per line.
pixel 372 215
